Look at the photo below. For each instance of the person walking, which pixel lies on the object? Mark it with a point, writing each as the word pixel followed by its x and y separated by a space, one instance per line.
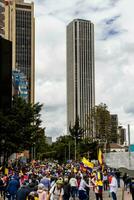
pixel 113 187
pixel 41 192
pixel 132 188
pixel 22 192
pixel 67 189
pixel 56 192
pixel 105 180
pixel 74 186
pixel 12 188
pixel 82 190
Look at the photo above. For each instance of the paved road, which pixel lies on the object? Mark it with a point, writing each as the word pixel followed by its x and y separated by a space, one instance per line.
pixel 127 195
pixel 106 196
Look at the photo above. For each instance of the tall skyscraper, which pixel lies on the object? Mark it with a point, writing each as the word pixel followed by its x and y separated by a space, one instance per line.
pixel 80 72
pixel 20 29
pixel 2 18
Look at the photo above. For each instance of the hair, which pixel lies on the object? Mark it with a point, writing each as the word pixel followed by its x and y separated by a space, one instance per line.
pixel 41 186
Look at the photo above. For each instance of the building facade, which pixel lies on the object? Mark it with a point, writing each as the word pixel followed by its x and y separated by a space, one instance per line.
pixel 20 29
pixel 2 18
pixel 19 85
pixel 5 74
pixel 114 128
pixel 121 135
pixel 80 72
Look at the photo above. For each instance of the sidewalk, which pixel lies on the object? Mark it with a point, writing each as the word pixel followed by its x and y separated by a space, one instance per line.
pixel 106 195
pixel 127 196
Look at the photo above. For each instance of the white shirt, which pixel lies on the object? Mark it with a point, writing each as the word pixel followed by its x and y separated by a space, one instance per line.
pixel 56 193
pixel 73 182
pixel 113 185
pixel 83 185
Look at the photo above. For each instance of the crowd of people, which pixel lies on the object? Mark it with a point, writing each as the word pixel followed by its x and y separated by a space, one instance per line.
pixel 51 181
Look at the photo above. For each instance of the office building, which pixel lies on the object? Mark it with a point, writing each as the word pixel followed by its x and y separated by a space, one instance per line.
pixel 5 74
pixel 80 73
pixel 114 128
pixel 20 29
pixel 121 135
pixel 2 18
pixel 19 85
pixel 49 140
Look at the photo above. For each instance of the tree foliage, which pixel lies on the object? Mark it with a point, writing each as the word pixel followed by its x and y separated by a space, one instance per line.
pixel 100 120
pixel 20 127
pixel 76 132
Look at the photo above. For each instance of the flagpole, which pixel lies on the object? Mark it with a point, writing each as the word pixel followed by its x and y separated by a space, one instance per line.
pixel 75 148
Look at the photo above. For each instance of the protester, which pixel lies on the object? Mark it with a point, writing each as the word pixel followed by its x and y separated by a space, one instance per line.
pixel 1 187
pixel 12 189
pixel 113 187
pixel 105 180
pixel 23 192
pixel 117 174
pixel 46 181
pixel 57 192
pixel 132 188
pixel 41 192
pixel 74 186
pixel 82 190
pixel 67 189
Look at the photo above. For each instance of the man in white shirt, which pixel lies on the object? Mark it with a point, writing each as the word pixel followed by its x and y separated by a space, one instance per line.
pixel 113 187
pixel 74 186
pixel 82 190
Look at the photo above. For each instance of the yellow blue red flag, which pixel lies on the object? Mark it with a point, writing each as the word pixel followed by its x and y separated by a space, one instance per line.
pixel 87 163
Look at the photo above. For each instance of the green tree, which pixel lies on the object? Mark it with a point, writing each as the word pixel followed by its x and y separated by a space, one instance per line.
pixel 20 127
pixel 76 133
pixel 100 117
pixel 60 149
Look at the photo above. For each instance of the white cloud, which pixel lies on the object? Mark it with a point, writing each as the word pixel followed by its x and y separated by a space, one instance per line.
pixel 114 49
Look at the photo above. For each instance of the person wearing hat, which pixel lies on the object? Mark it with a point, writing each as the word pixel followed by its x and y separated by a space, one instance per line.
pixel 113 186
pixel 56 192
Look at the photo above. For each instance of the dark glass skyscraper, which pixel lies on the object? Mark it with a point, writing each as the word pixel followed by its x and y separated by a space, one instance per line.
pixel 80 72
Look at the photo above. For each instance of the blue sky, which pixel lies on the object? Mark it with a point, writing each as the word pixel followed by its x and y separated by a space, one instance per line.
pixel 114 52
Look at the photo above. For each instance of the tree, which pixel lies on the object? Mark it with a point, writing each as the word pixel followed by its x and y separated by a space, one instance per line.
pixel 60 149
pixel 101 118
pixel 76 133
pixel 20 126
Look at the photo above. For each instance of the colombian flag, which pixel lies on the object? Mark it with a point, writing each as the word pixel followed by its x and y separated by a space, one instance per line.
pixel 100 157
pixel 87 164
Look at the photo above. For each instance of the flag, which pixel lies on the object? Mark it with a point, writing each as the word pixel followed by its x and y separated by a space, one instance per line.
pixel 6 171
pixel 88 164
pixel 100 157
pixel 75 170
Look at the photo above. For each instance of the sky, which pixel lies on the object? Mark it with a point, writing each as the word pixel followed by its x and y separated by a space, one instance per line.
pixel 114 52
